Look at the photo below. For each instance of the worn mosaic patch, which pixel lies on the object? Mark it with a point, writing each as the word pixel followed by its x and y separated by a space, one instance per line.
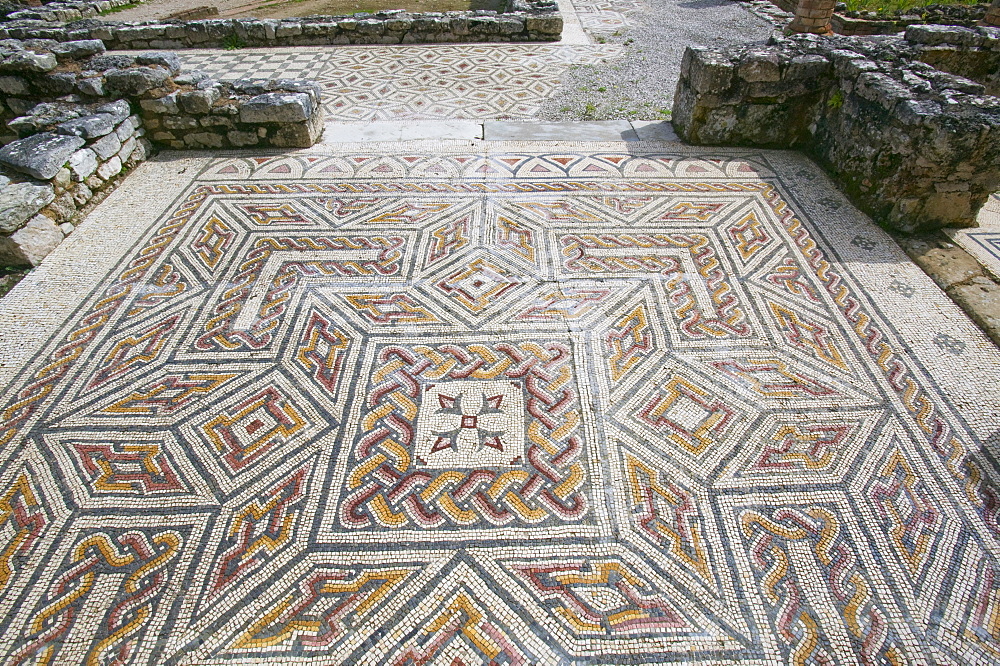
pixel 406 82
pixel 463 408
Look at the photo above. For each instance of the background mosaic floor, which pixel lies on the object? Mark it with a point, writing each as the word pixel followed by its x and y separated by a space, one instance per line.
pixel 574 403
pixel 983 242
pixel 414 82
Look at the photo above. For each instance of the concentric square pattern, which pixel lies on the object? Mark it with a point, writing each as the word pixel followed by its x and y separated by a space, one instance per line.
pixel 526 407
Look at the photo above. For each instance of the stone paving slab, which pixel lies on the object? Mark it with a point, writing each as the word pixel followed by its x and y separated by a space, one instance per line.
pixel 601 130
pixel 493 402
pixel 983 242
pixel 413 130
pixel 498 130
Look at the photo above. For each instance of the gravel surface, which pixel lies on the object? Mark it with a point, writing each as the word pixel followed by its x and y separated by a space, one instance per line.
pixel 640 84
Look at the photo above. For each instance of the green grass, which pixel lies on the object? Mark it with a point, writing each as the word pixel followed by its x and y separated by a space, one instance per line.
pixel 901 6
pixel 232 43
pixel 120 8
pixel 10 276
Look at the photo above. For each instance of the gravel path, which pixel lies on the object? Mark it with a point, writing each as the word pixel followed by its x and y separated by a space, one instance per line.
pixel 640 85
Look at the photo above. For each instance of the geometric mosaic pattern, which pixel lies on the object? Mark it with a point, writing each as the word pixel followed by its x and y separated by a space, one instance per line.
pixel 983 242
pixel 605 16
pixel 414 82
pixel 597 406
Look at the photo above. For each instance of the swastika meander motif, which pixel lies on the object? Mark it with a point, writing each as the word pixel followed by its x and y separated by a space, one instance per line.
pixel 524 407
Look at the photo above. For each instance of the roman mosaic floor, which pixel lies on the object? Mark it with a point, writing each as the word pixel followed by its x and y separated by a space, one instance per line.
pixel 432 81
pixel 493 403
pixel 983 242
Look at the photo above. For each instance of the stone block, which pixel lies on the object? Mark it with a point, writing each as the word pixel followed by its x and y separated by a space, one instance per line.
pixel 277 107
pixel 298 135
pixel 32 243
pixel 28 61
pixel 510 25
pixel 193 77
pixel 119 110
pixel 56 83
pixel 399 24
pixel 551 25
pixel 941 34
pixel 947 209
pixel 82 163
pixel 179 122
pixel 41 155
pixel 808 67
pixel 20 201
pixel 127 128
pixel 760 66
pixel 980 298
pixel 62 179
pixel 103 63
pixel 709 71
pixel 166 104
pixel 93 86
pixel 169 60
pixel 18 105
pixel 143 149
pixel 240 139
pixel 77 49
pixel 81 194
pixel 215 121
pixel 62 209
pixel 128 147
pixel 203 140
pixel 106 146
pixel 288 29
pixel 198 101
pixel 110 169
pixel 88 127
pixel 134 81
pixel 14 85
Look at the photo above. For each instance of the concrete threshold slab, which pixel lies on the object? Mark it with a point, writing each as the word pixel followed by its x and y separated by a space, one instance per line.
pixel 413 130
pixel 652 130
pixel 569 130
pixel 498 130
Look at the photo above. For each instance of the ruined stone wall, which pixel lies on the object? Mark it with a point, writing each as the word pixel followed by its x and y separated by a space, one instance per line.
pixel 915 147
pixel 525 21
pixel 51 176
pixel 970 52
pixel 75 118
pixel 852 23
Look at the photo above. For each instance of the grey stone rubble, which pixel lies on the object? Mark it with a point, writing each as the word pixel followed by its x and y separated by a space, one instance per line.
pixel 913 146
pixel 522 21
pixel 64 12
pixel 76 118
pixel 73 163
pixel 970 52
pixel 854 23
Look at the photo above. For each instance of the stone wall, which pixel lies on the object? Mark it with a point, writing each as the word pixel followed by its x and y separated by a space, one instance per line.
pixel 852 23
pixel 915 147
pixel 180 109
pixel 52 175
pixel 75 117
pixel 525 20
pixel 970 52
pixel 64 12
